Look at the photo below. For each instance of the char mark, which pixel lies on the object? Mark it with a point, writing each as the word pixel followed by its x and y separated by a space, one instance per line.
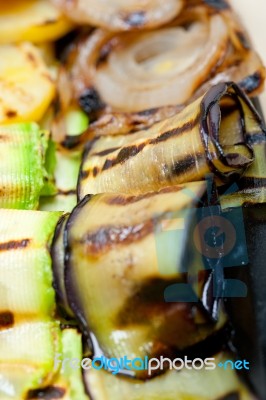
pixel 6 319
pixel 14 244
pixel 48 393
pixel 105 152
pixel 106 237
pixel 131 151
pixel 124 200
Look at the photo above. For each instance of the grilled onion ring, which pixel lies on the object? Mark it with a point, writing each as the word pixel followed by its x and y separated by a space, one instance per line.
pixel 120 15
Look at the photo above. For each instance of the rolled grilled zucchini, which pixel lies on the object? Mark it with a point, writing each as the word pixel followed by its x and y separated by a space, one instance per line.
pixel 121 268
pixel 22 70
pixel 26 275
pixel 213 134
pixel 26 165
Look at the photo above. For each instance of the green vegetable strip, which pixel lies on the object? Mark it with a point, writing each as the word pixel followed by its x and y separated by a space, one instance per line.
pixel 26 275
pixel 22 166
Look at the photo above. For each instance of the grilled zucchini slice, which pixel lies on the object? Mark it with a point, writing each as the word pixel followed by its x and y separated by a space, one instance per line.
pixel 26 84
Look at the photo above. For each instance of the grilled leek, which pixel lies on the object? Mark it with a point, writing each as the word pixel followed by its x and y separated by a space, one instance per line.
pixel 26 165
pixel 205 137
pixel 26 275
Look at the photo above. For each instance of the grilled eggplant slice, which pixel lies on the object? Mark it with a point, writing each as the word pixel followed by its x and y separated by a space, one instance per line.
pixel 22 70
pixel 26 275
pixel 27 353
pixel 117 275
pixel 218 384
pixel 58 254
pixel 205 137
pixel 25 172
pixel 30 20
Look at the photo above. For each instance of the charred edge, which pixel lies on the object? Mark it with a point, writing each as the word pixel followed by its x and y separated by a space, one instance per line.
pixel 105 152
pixel 55 267
pixel 70 142
pixel 48 393
pixel 120 200
pixel 217 4
pixel 95 171
pixel 256 138
pixel 131 151
pixel 251 82
pixel 230 396
pixel 101 240
pixel 135 19
pixel 72 297
pixel 184 165
pixel 90 101
pixel 6 319
pixel 14 244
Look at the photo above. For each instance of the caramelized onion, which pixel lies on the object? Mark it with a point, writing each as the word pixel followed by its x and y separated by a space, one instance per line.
pixel 119 14
pixel 132 73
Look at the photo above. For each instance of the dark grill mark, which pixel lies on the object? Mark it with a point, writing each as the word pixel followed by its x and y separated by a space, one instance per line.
pixel 14 244
pixel 185 164
pixel 95 171
pixel 104 238
pixel 120 200
pixel 6 319
pixel 217 4
pixel 137 19
pixel 48 393
pixel 105 152
pixel 131 151
pixel 249 182
pixel 11 113
pixel 176 131
pixel 251 82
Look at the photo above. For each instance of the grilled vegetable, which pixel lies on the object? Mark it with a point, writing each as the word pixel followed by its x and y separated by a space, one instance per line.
pixel 251 188
pixel 182 385
pixel 201 139
pixel 27 352
pixel 36 21
pixel 171 66
pixel 26 276
pixel 69 384
pixel 66 176
pixel 22 70
pixel 122 274
pixel 58 255
pixel 118 15
pixel 26 166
